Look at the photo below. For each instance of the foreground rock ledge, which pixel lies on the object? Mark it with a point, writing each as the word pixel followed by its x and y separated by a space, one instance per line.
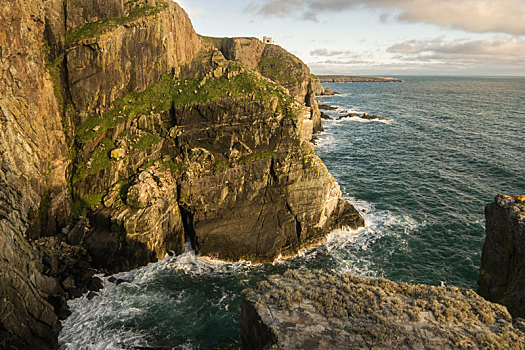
pixel 316 310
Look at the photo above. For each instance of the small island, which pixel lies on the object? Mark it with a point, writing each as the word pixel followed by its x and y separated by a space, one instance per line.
pixel 356 79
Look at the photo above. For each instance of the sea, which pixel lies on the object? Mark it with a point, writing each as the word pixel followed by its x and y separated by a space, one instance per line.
pixel 421 179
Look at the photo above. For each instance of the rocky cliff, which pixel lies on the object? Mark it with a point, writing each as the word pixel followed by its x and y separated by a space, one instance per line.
pixel 235 148
pixel 316 310
pixel 34 158
pixel 123 133
pixel 502 273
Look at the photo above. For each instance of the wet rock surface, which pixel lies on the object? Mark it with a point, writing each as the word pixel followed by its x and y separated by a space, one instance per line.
pixel 502 272
pixel 317 310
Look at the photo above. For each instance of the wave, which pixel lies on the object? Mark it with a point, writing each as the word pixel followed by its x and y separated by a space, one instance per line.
pixel 359 120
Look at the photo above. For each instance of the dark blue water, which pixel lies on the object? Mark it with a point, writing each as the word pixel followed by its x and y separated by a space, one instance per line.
pixel 423 178
pixel 452 144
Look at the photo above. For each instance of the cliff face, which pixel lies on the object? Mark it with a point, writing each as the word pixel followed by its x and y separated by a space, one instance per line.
pixel 122 133
pixel 36 135
pixel 127 53
pixel 316 310
pixel 502 273
pixel 234 147
pixel 34 158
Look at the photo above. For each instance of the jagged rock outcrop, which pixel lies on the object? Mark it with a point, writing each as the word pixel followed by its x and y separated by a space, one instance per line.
pixel 121 132
pixel 141 222
pixel 247 184
pixel 502 272
pixel 278 65
pixel 317 310
pixel 316 84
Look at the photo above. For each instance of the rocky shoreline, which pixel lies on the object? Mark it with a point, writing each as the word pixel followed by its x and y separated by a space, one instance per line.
pixel 123 133
pixel 318 310
pixel 132 133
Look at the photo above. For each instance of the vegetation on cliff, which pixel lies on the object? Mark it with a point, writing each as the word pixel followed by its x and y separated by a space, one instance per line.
pixel 171 90
pixel 92 29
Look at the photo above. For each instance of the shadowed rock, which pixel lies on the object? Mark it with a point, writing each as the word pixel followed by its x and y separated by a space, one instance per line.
pixel 502 272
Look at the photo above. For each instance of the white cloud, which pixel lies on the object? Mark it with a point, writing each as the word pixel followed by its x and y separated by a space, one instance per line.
pixel 327 53
pixel 499 16
pixel 510 51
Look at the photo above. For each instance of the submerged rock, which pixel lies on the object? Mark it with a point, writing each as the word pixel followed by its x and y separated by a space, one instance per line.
pixel 325 116
pixel 317 310
pixel 327 107
pixel 365 116
pixel 502 273
pixel 328 92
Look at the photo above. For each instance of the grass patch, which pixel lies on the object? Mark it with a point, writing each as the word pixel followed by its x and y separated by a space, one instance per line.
pixel 219 166
pixel 98 160
pixel 85 204
pixel 146 141
pixel 90 30
pixel 170 165
pixel 282 68
pixel 168 92
pixel 256 156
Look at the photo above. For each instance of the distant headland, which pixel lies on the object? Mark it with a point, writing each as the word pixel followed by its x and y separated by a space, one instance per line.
pixel 356 79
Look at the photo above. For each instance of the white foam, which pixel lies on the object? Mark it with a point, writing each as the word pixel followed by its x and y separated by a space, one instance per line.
pixel 86 329
pixel 359 120
pixel 190 263
pixel 344 245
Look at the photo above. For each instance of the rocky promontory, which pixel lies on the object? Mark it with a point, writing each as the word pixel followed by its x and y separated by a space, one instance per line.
pixel 502 273
pixel 355 79
pixel 123 133
pixel 317 310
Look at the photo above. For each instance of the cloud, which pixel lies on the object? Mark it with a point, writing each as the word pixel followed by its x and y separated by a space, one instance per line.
pixel 494 50
pixel 325 52
pixel 499 16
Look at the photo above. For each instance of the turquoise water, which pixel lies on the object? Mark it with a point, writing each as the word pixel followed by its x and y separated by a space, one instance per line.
pixel 423 179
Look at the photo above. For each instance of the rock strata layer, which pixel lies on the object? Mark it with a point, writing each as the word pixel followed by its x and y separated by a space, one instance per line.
pixel 502 273
pixel 316 310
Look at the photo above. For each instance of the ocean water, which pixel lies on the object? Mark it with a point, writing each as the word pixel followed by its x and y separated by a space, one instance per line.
pixel 423 178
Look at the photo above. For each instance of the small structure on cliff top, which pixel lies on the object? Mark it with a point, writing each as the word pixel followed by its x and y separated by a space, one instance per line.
pixel 268 40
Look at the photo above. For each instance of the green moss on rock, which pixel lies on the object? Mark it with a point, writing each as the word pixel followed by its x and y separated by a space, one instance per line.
pixel 256 156
pixel 169 92
pixel 92 29
pixel 99 159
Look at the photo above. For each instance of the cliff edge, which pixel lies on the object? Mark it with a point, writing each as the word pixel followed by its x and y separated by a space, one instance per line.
pixel 502 273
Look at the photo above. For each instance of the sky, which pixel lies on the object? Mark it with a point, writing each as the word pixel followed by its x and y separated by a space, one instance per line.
pixel 379 37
